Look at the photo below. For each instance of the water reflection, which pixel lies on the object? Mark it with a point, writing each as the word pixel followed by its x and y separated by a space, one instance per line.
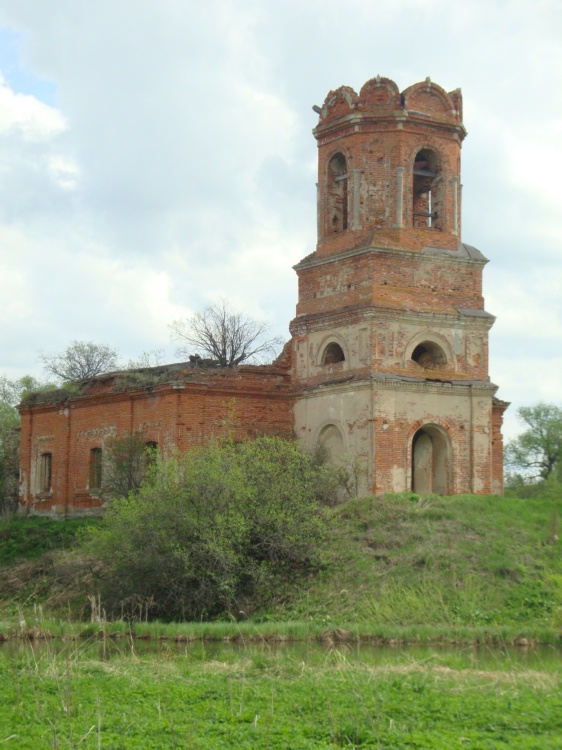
pixel 308 652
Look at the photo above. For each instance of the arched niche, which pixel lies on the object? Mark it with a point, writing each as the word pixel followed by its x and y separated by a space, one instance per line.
pixel 332 349
pixel 432 461
pixel 429 355
pixel 331 438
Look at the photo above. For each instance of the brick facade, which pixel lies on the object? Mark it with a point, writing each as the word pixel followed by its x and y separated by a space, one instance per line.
pixel 388 360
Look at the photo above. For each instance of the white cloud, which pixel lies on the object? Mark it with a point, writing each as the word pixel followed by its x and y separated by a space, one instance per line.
pixel 179 166
pixel 25 115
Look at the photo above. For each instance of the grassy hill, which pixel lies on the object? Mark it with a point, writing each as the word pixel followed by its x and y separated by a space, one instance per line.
pixel 389 562
pixel 470 560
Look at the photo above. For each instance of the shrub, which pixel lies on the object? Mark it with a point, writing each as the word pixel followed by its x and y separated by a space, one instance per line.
pixel 214 531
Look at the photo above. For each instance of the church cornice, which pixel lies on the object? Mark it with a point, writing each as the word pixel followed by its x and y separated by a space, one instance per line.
pixel 464 254
pixel 465 318
pixel 401 383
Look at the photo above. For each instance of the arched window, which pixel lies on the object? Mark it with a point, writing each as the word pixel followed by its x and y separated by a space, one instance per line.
pixel 333 353
pixel 95 469
pixel 337 194
pixel 46 472
pixel 429 355
pixel 426 207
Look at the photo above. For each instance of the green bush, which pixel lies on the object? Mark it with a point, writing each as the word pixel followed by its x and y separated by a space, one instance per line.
pixel 214 531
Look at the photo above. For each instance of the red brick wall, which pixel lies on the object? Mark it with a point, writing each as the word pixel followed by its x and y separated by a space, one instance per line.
pixel 246 401
pixel 395 280
pixel 377 132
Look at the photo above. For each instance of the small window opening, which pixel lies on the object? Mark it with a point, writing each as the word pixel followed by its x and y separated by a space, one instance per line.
pixel 95 468
pixel 151 452
pixel 46 472
pixel 425 194
pixel 429 355
pixel 333 353
pixel 337 194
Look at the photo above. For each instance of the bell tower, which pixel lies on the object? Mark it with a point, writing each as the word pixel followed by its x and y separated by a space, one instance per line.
pixel 391 335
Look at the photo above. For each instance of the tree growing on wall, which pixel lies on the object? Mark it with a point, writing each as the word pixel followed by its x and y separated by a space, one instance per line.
pixel 80 359
pixel 225 336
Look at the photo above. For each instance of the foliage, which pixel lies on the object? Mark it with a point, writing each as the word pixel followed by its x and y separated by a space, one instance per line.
pixel 12 392
pixel 535 453
pixel 467 568
pixel 227 337
pixel 214 531
pixel 127 460
pixel 81 359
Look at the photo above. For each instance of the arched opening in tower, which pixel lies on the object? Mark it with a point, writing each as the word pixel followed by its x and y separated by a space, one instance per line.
pixel 426 207
pixel 333 354
pixel 429 355
pixel 431 461
pixel 337 208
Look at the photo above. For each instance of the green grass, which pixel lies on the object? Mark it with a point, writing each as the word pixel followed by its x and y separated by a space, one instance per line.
pixel 29 538
pixel 468 560
pixel 202 698
pixel 467 568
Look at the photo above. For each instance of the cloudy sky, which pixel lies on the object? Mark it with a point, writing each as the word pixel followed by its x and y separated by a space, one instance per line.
pixel 156 155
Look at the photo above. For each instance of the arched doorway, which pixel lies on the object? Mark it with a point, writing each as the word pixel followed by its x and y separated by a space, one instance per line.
pixel 431 461
pixel 331 438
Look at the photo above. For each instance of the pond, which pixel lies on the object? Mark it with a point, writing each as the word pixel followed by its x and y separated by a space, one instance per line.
pixel 483 657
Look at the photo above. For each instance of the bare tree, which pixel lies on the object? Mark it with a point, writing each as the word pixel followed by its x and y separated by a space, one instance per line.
pixel 81 359
pixel 228 337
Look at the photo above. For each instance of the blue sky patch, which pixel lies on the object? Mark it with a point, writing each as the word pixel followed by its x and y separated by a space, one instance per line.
pixel 18 77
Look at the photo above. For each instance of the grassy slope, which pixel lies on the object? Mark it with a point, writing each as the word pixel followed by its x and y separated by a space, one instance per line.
pixel 29 538
pixel 445 561
pixel 389 561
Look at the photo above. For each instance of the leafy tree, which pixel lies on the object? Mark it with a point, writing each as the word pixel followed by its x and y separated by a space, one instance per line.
pixel 81 359
pixel 216 530
pixel 11 393
pixel 535 453
pixel 225 336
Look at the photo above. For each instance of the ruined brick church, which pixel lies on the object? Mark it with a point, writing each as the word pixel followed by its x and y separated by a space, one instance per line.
pixel 388 358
